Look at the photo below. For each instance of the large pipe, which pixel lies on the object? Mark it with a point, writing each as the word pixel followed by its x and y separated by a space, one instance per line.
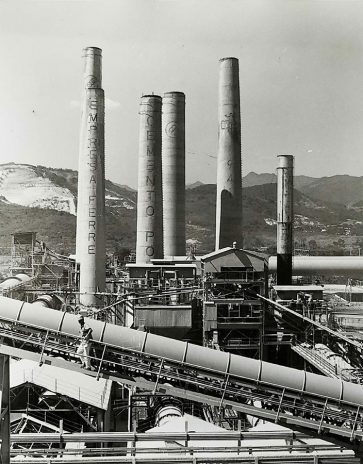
pixel 185 353
pixel 11 282
pixel 47 301
pixel 347 266
pixel 91 184
pixel 229 165
pixel 285 217
pixel 165 413
pixel 173 166
pixel 149 240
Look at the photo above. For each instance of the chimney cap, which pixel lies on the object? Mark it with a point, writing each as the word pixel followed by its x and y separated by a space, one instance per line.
pixel 228 58
pixel 158 97
pixel 92 51
pixel 174 93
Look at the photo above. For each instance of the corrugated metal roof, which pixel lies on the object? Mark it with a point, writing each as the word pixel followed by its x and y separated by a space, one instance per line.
pixel 222 251
pixel 216 253
pixel 77 386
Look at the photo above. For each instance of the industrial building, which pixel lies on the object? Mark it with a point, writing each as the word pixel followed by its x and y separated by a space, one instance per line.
pixel 213 359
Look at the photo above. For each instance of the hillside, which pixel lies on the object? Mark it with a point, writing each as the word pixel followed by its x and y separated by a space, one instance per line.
pixel 36 198
pixel 312 217
pixel 252 179
pixel 340 189
pixel 49 188
pixel 44 200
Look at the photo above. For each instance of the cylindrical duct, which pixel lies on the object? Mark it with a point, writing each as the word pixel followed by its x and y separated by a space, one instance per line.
pixel 166 413
pixel 91 185
pixel 11 282
pixel 285 217
pixel 149 241
pixel 173 166
pixel 229 166
pixel 47 301
pixel 347 266
pixel 187 354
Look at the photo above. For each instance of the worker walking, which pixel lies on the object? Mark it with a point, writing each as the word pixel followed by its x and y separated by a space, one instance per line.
pixel 83 350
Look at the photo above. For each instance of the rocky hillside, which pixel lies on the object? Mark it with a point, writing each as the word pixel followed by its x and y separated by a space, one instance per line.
pixel 32 186
pixel 48 188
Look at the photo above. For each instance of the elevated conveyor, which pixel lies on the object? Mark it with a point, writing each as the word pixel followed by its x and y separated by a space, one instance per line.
pixel 300 400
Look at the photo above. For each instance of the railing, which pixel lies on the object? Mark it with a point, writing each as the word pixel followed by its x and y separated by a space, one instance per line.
pixel 318 361
pixel 64 387
pixel 240 319
pixel 292 408
pixel 235 343
pixel 300 453
pixel 52 418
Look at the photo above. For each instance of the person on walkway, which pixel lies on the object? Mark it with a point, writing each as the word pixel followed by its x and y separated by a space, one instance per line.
pixel 85 333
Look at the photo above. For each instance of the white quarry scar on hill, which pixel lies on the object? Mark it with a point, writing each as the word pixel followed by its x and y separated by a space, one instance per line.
pixel 23 185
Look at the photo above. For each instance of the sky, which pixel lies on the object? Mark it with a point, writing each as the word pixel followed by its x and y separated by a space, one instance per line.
pixel 301 79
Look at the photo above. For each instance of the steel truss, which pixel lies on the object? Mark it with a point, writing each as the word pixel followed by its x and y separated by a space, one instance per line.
pixel 330 419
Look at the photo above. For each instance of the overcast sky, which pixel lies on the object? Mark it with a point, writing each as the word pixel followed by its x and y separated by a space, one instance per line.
pixel 301 77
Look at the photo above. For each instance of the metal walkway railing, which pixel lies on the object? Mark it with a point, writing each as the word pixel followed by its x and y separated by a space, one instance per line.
pixel 332 419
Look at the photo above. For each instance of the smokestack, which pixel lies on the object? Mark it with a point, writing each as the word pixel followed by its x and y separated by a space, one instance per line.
pixel 285 217
pixel 229 169
pixel 173 166
pixel 149 241
pixel 90 244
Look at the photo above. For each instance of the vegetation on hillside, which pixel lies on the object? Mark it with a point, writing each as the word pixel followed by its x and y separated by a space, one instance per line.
pixel 320 226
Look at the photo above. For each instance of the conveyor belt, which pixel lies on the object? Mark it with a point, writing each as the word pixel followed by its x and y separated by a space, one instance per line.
pixel 322 327
pixel 317 361
pixel 300 400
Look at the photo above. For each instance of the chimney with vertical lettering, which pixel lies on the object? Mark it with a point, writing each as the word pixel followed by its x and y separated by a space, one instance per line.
pixel 90 241
pixel 149 240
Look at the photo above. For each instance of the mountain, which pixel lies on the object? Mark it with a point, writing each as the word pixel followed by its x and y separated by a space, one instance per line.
pixel 194 184
pixel 43 200
pixel 252 179
pixel 342 189
pixel 33 186
pixel 48 188
pixel 312 217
